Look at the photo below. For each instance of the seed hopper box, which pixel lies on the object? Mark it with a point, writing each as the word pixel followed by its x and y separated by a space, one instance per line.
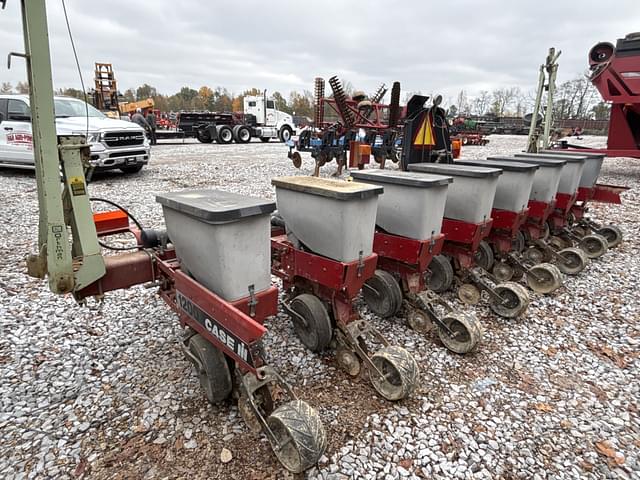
pixel 470 196
pixel 222 239
pixel 412 204
pixel 332 218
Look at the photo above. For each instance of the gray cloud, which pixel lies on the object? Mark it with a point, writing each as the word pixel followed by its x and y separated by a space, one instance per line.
pixel 432 47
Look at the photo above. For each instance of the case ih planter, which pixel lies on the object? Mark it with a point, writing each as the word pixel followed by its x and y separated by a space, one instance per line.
pixel 534 242
pixel 222 307
pixel 591 191
pixel 509 213
pixel 594 245
pixel 324 256
pixel 466 224
pixel 407 237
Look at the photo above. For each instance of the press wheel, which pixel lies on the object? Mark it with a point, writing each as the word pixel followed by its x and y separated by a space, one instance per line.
pixel 419 320
pixel 503 271
pixel 594 245
pixel 441 277
pixel 400 373
pixel 469 294
pixel 382 294
pixel 215 377
pixel 515 300
pixel 575 261
pixel 312 323
pixel 484 256
pixel 612 234
pixel 300 439
pixel 544 278
pixel 468 332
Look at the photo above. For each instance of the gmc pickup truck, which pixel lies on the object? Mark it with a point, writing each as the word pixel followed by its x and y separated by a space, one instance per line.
pixel 115 144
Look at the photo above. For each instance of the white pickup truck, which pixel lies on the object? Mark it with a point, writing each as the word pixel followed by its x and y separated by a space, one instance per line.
pixel 115 144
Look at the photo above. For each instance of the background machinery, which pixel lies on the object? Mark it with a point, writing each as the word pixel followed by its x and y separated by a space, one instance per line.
pixel 350 130
pixel 615 72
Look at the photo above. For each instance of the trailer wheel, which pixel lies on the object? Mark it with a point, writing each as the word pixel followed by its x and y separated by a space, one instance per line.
pixel 514 300
pixel 382 294
pixel 574 261
pixel 467 331
pixel 285 133
pixel 612 234
pixel 203 136
pixel 225 135
pixel 594 245
pixel 299 436
pixel 241 134
pixel 312 323
pixel 399 371
pixel 213 371
pixel 441 276
pixel 484 256
pixel 265 139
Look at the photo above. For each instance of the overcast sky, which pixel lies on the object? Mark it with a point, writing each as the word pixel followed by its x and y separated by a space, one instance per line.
pixel 428 46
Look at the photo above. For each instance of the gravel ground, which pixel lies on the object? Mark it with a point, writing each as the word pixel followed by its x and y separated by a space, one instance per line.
pixel 102 391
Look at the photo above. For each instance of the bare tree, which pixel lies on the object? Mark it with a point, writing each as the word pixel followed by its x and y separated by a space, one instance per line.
pixel 481 103
pixel 462 104
pixel 6 87
pixel 22 87
pixel 502 99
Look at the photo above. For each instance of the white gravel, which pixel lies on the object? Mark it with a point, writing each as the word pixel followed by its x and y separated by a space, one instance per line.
pixel 103 391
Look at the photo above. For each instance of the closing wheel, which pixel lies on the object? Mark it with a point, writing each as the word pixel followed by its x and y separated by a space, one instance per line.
pixel 441 276
pixel 300 438
pixel 469 294
pixel 296 158
pixel 399 372
pixel 503 271
pixel 612 234
pixel 579 231
pixel 467 333
pixel 515 300
pixel 419 321
pixel 484 256
pixel 215 377
pixel 574 260
pixel 558 243
pixel 312 323
pixel 534 255
pixel 382 294
pixel 594 245
pixel 348 361
pixel 544 278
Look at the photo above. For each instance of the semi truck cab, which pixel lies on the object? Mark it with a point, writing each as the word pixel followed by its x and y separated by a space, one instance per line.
pixel 270 122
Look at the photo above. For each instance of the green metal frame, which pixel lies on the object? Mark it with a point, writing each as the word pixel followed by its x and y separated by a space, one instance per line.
pixel 546 81
pixel 68 249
